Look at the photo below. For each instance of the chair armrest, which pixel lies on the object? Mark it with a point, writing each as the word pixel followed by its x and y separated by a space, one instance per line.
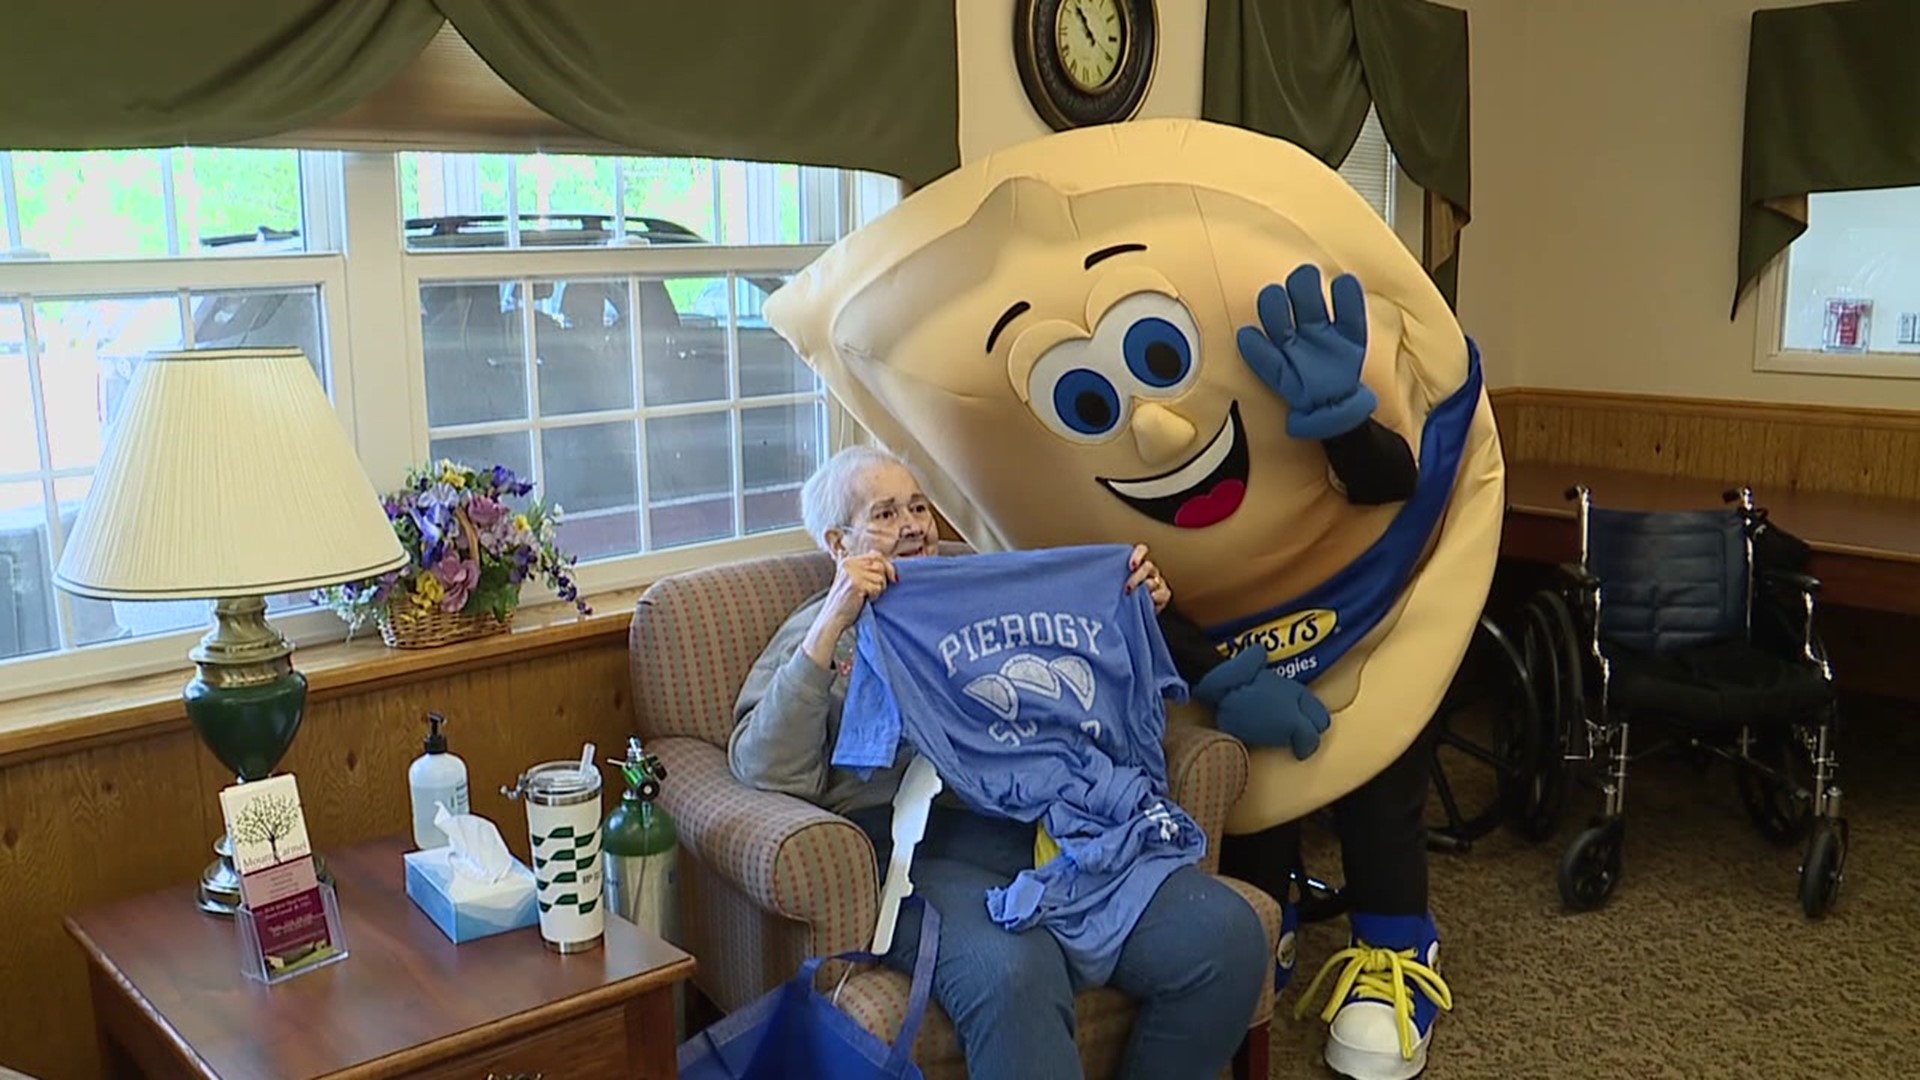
pixel 1207 774
pixel 788 856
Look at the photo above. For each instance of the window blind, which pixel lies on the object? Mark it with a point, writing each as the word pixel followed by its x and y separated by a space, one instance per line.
pixel 1369 166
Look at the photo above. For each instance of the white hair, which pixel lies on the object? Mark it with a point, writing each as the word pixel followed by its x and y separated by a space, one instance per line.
pixel 832 495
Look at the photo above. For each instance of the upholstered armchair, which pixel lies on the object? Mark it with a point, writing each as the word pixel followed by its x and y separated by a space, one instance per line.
pixel 767 880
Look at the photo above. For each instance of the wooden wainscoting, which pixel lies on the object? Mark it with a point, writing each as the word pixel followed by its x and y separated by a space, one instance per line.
pixel 1763 444
pixel 115 816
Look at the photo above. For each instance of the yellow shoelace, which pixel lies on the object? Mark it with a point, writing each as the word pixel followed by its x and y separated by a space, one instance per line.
pixel 1379 975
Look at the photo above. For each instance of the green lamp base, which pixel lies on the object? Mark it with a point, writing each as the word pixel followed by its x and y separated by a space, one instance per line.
pixel 246 703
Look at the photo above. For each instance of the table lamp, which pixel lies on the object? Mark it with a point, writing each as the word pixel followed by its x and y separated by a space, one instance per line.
pixel 228 477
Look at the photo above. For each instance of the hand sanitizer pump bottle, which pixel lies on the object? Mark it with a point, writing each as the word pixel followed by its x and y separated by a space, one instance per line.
pixel 435 777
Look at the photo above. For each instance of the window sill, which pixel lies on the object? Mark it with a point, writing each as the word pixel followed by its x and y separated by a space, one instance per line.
pixel 1877 365
pixel 38 726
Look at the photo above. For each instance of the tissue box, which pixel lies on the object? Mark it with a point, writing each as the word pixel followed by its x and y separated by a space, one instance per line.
pixel 465 909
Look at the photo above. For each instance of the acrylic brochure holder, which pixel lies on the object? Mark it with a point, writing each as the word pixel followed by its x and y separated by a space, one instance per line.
pixel 253 962
pixel 288 922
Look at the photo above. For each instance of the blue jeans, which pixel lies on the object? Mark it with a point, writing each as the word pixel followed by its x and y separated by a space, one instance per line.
pixel 1194 963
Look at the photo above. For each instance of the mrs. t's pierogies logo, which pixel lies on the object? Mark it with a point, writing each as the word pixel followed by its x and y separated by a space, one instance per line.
pixel 1050 678
pixel 1286 638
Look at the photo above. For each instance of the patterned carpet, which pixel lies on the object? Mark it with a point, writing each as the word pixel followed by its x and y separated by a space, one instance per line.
pixel 1702 965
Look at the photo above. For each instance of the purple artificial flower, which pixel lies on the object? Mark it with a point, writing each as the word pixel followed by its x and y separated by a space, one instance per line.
pixel 441 495
pixel 461 577
pixel 485 511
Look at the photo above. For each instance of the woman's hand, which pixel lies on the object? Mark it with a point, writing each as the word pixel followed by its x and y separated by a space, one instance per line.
pixel 1145 573
pixel 857 580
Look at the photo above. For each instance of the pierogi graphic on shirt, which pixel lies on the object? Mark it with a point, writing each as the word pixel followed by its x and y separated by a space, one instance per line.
pixel 1050 335
pixel 1050 678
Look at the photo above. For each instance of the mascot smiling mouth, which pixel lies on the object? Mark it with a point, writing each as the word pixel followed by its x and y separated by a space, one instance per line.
pixel 1205 491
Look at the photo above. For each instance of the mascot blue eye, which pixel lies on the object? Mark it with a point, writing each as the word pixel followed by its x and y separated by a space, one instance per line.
pixel 1157 352
pixel 1086 402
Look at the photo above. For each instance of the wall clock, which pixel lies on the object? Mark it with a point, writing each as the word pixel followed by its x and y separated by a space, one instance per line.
pixel 1085 62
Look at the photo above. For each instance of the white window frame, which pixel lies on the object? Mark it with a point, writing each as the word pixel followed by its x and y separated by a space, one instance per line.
pixel 417 268
pixel 1770 353
pixel 420 268
pixel 1771 301
pixel 71 666
pixel 369 303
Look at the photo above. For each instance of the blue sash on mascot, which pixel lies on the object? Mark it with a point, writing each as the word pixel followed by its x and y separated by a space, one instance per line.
pixel 1310 634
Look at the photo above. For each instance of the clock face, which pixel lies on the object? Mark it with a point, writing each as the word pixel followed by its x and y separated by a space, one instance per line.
pixel 1090 37
pixel 1085 61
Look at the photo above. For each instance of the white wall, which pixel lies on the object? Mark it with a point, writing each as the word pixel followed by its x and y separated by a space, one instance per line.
pixel 1617 165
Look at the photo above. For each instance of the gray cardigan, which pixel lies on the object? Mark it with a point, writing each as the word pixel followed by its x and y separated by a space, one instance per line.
pixel 788 716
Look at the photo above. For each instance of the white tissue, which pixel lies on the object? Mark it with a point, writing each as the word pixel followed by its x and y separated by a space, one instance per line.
pixel 478 854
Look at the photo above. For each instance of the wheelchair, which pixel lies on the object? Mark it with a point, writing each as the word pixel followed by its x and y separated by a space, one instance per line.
pixel 1699 625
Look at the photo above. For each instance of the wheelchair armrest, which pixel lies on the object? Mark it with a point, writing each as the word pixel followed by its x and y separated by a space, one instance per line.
pixel 1804 584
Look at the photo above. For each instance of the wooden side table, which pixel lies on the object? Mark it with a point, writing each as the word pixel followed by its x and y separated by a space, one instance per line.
pixel 169 999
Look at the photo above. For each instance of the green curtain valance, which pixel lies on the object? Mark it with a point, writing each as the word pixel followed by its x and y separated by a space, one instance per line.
pixel 858 84
pixel 1307 70
pixel 862 84
pixel 108 74
pixel 1833 104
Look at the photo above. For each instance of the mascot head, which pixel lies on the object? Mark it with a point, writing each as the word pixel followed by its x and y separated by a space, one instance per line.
pixel 1049 335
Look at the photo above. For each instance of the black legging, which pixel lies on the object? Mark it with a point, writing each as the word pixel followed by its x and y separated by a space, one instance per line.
pixel 1383 841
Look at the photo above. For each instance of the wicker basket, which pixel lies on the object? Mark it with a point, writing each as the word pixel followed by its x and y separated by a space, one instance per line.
pixel 405 626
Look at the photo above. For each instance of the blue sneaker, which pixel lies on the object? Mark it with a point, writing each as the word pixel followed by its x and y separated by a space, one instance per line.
pixel 1385 997
pixel 1287 950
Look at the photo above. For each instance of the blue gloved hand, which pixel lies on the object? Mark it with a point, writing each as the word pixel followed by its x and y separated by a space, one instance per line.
pixel 1261 707
pixel 1312 361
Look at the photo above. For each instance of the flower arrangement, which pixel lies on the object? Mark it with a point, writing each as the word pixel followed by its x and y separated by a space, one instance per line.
pixel 468 552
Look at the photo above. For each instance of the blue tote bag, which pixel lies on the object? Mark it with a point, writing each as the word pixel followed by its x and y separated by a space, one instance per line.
pixel 796 1033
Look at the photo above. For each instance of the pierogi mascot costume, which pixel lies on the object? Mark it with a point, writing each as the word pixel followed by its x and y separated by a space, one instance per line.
pixel 1201 338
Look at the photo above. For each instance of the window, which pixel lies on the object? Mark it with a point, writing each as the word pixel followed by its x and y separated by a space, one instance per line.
pixel 644 390
pixel 110 256
pixel 1846 297
pixel 593 322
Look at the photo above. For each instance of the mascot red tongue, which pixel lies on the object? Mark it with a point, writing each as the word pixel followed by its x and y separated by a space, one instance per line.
pixel 1212 508
pixel 1056 336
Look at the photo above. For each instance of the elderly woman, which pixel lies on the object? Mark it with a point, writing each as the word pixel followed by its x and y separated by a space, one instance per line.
pixel 1195 959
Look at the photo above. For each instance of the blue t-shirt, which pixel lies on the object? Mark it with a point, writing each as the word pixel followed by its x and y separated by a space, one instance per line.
pixel 1035 685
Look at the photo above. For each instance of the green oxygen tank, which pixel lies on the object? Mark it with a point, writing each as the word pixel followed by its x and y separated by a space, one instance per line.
pixel 640 848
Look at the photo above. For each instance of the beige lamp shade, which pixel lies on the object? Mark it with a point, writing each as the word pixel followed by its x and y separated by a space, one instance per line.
pixel 226 474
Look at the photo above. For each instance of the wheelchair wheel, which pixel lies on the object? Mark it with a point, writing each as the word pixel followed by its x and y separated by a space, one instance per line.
pixel 1550 651
pixel 1487 745
pixel 1777 788
pixel 1590 869
pixel 1824 868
